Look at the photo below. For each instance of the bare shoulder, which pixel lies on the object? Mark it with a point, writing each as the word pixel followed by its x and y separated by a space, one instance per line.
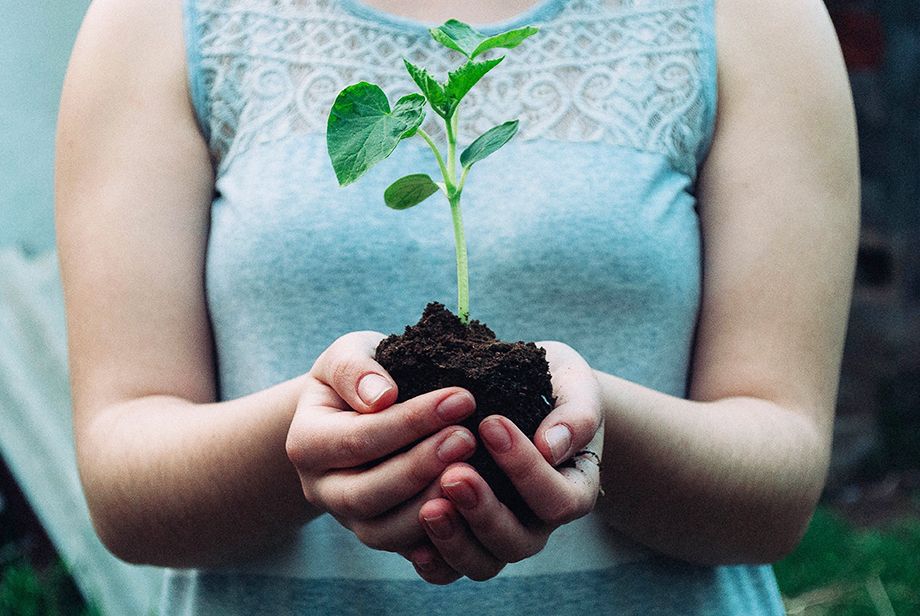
pixel 783 21
pixel 119 37
pixel 779 206
pixel 127 72
pixel 133 182
pixel 788 45
pixel 784 96
pixel 136 22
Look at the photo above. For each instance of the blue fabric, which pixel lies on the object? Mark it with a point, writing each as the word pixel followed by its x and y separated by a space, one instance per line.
pixel 658 588
pixel 582 229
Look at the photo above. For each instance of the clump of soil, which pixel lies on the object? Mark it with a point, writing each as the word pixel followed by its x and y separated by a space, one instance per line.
pixel 510 379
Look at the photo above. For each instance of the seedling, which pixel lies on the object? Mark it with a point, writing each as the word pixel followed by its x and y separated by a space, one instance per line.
pixel 363 130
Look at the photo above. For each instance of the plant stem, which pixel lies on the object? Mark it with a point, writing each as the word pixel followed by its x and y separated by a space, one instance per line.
pixel 463 276
pixel 437 154
pixel 454 191
pixel 451 178
pixel 462 179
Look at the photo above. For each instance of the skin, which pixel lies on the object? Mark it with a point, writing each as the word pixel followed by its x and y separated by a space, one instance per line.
pixel 730 475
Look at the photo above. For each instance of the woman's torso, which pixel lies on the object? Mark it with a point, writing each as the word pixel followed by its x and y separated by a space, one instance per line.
pixel 582 229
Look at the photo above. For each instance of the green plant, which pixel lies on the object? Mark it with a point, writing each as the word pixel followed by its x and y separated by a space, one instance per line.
pixel 842 570
pixel 363 130
pixel 25 591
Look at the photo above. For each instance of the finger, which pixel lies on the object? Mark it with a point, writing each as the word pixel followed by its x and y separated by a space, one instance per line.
pixel 431 567
pixel 456 544
pixel 349 368
pixel 497 531
pixel 576 419
pixel 363 493
pixel 397 530
pixel 556 495
pixel 321 438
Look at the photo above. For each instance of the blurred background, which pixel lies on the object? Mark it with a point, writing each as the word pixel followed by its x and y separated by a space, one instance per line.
pixel 862 552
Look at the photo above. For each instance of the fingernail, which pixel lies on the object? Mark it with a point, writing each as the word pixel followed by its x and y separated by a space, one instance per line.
pixel 461 494
pixel 559 439
pixel 456 407
pixel 456 446
pixel 494 433
pixel 440 526
pixel 372 387
pixel 423 560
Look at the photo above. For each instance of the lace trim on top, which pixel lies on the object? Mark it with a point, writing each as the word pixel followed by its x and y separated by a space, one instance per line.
pixel 632 73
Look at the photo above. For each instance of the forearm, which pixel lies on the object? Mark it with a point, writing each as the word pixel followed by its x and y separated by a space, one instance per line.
pixel 174 483
pixel 734 480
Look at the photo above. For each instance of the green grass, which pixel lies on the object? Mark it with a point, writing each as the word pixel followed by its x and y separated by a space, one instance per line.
pixel 841 570
pixel 24 591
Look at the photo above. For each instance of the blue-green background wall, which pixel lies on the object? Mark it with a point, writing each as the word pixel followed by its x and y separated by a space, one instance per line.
pixel 36 37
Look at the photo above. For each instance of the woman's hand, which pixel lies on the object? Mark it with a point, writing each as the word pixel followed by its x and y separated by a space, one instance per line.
pixel 346 423
pixel 472 533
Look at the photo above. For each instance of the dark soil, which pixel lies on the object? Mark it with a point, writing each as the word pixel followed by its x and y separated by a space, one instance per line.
pixel 510 379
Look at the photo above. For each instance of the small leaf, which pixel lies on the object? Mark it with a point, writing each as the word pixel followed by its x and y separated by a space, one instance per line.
pixel 461 37
pixel 507 40
pixel 488 143
pixel 409 190
pixel 430 87
pixel 457 36
pixel 461 80
pixel 362 130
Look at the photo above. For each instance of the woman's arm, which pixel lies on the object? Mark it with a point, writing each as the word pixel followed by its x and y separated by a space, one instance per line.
pixel 171 476
pixel 133 191
pixel 734 474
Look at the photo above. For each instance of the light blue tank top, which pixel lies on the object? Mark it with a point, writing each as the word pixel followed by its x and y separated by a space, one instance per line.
pixel 582 229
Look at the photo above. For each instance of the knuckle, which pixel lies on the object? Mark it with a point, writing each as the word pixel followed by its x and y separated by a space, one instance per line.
pixel 522 550
pixel 519 549
pixel 344 372
pixel 340 363
pixel 419 474
pixel 312 496
pixel 294 452
pixel 563 511
pixel 485 573
pixel 372 538
pixel 315 493
pixel 354 446
pixel 299 452
pixel 352 505
pixel 519 556
pixel 413 420
pixel 519 469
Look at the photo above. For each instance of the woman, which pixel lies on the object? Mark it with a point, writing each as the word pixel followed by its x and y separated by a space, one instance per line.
pixel 679 212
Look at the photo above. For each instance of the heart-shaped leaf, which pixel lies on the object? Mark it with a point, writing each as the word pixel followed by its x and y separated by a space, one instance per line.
pixel 460 37
pixel 488 142
pixel 362 130
pixel 409 190
pixel 460 81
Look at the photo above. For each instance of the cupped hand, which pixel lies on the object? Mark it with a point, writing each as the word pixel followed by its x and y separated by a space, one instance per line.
pixel 368 462
pixel 472 533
